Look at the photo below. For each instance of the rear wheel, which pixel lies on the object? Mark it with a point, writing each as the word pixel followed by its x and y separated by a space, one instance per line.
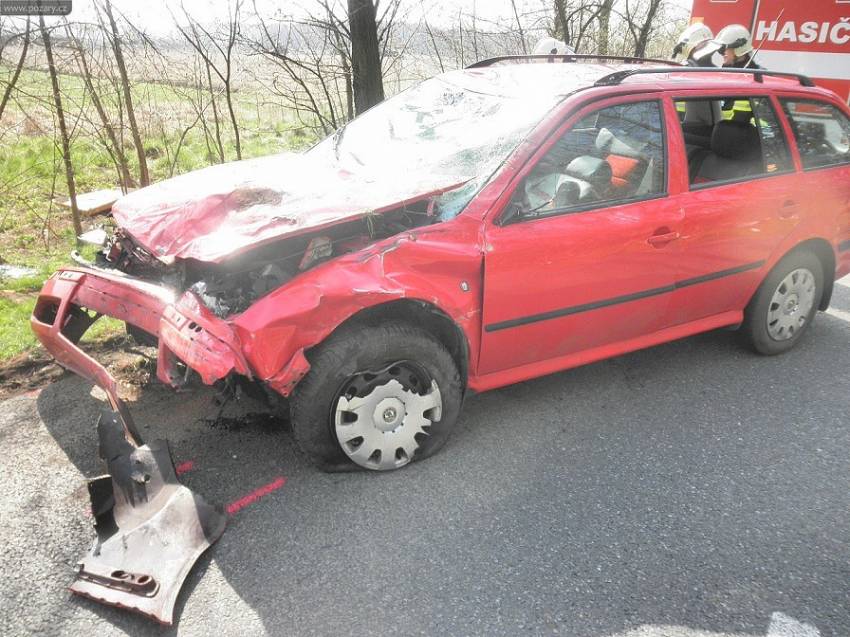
pixel 785 304
pixel 377 397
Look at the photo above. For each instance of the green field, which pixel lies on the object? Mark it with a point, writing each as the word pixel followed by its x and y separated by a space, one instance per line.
pixel 35 232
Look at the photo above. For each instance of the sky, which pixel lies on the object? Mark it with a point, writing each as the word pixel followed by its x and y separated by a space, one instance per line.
pixel 153 15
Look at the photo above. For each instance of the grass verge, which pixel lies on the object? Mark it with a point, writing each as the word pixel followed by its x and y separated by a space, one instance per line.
pixel 34 232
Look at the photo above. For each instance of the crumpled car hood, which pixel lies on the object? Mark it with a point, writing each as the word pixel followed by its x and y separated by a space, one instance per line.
pixel 217 212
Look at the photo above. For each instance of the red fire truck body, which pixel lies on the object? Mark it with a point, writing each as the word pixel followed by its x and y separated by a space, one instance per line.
pixel 812 38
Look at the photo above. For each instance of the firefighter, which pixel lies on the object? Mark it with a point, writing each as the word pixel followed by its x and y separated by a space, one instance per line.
pixel 736 44
pixel 694 46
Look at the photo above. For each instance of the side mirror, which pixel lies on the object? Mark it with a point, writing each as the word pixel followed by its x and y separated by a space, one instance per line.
pixel 513 213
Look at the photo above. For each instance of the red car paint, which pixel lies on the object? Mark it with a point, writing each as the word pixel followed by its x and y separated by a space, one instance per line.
pixel 505 287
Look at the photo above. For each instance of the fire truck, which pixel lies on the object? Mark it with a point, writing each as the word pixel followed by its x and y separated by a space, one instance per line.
pixel 811 37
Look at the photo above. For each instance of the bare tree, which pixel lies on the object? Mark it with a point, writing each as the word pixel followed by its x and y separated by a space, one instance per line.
pixel 642 29
pixel 338 35
pixel 10 85
pixel 604 34
pixel 110 138
pixel 519 27
pixel 315 56
pixel 305 78
pixel 196 91
pixel 210 50
pixel 63 129
pixel 621 27
pixel 573 22
pixel 434 45
pixel 114 38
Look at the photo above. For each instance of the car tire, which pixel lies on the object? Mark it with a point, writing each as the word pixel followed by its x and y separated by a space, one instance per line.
pixel 373 379
pixel 785 304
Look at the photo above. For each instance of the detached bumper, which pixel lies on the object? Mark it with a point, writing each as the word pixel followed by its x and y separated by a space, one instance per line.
pixel 150 528
pixel 187 330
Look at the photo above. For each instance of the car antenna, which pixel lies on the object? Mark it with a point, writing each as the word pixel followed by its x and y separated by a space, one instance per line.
pixel 764 40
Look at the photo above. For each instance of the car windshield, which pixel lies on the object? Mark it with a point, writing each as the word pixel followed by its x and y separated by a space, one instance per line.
pixel 437 128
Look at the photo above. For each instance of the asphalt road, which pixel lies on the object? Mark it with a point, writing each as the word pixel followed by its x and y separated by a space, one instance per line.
pixel 690 490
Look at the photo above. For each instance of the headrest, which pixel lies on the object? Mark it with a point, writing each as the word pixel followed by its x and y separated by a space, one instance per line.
pixel 604 140
pixel 595 171
pixel 607 143
pixel 735 140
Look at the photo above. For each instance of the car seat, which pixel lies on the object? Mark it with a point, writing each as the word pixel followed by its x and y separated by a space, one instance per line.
pixel 593 176
pixel 628 164
pixel 735 152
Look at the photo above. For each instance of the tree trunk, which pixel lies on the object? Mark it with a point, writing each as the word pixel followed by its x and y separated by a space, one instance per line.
pixel 228 84
pixel 646 29
pixel 434 44
pixel 604 26
pixel 63 129
pixel 519 28
pixel 216 119
pixel 460 38
pixel 349 94
pixel 144 176
pixel 117 150
pixel 233 122
pixel 367 80
pixel 475 55
pixel 562 27
pixel 18 67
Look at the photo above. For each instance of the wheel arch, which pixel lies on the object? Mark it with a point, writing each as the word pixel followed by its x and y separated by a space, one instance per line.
pixel 421 314
pixel 822 249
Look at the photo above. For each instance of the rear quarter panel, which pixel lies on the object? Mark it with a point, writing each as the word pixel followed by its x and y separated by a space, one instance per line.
pixel 824 193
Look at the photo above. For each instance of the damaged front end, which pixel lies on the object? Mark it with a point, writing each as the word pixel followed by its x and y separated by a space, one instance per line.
pixel 150 528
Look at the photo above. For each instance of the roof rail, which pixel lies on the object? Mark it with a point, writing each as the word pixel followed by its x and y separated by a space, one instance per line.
pixel 565 58
pixel 758 74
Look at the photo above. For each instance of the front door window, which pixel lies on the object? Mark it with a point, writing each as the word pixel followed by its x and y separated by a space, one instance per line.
pixel 613 155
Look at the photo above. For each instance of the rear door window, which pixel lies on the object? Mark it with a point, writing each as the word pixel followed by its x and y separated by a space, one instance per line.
pixel 774 146
pixel 723 149
pixel 822 132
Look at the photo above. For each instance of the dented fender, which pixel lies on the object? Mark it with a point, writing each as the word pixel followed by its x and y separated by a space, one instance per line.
pixel 440 266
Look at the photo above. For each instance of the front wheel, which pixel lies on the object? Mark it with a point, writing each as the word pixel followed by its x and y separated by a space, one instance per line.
pixel 377 397
pixel 785 304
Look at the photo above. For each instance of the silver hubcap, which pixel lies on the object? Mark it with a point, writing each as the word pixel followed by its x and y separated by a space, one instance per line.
pixel 790 306
pixel 379 430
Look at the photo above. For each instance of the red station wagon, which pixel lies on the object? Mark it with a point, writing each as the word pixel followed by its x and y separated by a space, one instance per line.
pixel 485 227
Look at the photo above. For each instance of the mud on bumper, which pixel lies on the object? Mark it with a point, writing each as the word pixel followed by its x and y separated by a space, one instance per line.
pixel 188 332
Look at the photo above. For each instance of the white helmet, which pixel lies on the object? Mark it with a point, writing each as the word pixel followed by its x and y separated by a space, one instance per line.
pixel 735 38
pixel 551 46
pixel 691 38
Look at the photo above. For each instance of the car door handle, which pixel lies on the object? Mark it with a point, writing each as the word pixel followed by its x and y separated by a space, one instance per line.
pixel 660 240
pixel 789 209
